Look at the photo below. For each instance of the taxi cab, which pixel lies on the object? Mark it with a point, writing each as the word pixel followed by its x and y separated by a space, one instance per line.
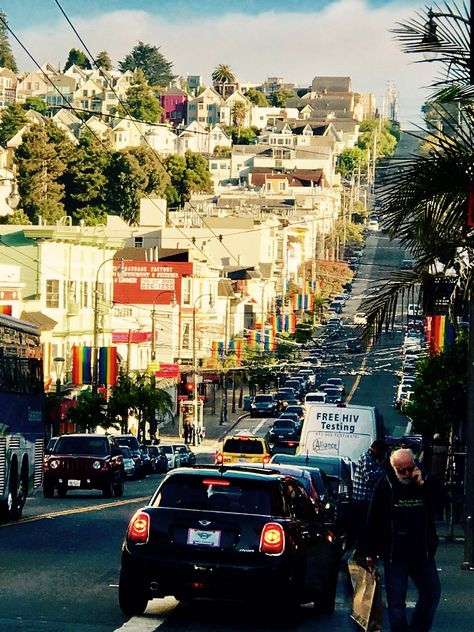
pixel 240 448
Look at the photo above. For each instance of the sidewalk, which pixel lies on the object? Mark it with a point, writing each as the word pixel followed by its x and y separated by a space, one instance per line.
pixel 214 430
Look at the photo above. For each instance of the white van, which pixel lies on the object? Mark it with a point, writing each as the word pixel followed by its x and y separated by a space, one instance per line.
pixel 315 397
pixel 342 430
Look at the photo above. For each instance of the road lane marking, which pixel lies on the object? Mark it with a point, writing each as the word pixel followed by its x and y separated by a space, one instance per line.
pixel 359 376
pixel 68 512
pixel 156 613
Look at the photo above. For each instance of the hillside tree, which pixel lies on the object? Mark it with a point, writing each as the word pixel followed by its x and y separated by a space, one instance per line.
pixel 7 60
pixel 13 118
pixel 156 68
pixel 103 60
pixel 77 58
pixel 140 102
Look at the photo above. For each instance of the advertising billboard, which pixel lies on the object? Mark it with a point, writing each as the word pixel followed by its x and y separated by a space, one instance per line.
pixel 149 282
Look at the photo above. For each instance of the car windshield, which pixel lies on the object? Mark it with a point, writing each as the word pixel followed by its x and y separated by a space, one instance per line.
pixel 167 449
pixel 247 446
pixel 96 446
pixel 125 452
pixel 234 496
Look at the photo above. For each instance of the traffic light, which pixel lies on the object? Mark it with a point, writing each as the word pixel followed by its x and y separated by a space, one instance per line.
pixel 189 387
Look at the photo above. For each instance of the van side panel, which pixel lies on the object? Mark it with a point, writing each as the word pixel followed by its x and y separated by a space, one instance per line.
pixel 346 431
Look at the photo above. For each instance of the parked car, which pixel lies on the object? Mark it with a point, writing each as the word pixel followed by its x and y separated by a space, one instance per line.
pixel 172 454
pixel 187 458
pixel 84 461
pixel 243 449
pixel 360 318
pixel 160 461
pixel 336 307
pixel 128 462
pixel 205 529
pixel 132 442
pixel 264 404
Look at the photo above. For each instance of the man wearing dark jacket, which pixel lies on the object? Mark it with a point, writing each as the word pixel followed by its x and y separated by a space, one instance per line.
pixel 401 529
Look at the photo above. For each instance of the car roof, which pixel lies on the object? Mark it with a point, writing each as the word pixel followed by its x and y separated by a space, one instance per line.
pixel 232 471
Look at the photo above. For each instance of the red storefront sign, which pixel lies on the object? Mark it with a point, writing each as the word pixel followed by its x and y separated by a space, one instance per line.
pixel 135 337
pixel 170 371
pixel 149 282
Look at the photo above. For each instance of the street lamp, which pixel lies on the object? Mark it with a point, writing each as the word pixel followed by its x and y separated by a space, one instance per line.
pixel 195 391
pixel 153 319
pixel 95 360
pixel 13 198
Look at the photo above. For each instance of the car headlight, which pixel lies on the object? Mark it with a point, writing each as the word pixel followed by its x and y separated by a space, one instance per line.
pixel 54 464
pixel 96 465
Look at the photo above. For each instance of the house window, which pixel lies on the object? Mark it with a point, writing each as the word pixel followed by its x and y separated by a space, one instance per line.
pixel 84 93
pixel 138 242
pixel 72 292
pixel 186 290
pixel 213 166
pixel 85 294
pixel 52 293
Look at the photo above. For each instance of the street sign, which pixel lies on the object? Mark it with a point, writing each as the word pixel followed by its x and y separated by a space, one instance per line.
pixel 153 367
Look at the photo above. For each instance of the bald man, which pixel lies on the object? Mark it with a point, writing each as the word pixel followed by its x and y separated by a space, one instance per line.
pixel 401 531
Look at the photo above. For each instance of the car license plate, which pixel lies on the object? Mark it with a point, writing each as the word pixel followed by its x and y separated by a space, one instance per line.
pixel 243 459
pixel 74 483
pixel 205 538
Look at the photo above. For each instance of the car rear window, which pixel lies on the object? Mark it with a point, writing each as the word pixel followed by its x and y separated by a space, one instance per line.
pixel 131 442
pixel 214 493
pixel 96 446
pixel 264 398
pixel 247 446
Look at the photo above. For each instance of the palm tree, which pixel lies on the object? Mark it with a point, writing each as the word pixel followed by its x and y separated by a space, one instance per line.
pixel 223 74
pixel 238 113
pixel 424 203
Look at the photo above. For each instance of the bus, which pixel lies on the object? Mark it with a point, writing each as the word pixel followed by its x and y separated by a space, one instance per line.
pixel 346 430
pixel 21 414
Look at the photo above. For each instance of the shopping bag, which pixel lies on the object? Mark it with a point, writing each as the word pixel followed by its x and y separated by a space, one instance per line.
pixel 367 607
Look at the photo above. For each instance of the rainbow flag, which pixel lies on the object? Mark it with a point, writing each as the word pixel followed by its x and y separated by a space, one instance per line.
pixel 302 301
pixel 81 364
pixel 439 333
pixel 235 346
pixel 290 323
pixel 108 365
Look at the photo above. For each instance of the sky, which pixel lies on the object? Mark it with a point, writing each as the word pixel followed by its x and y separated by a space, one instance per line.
pixel 293 39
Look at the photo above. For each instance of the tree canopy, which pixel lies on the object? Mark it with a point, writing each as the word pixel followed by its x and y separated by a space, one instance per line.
pixel 103 60
pixel 77 58
pixel 257 97
pixel 156 69
pixel 140 102
pixel 7 60
pixel 13 118
pixel 223 74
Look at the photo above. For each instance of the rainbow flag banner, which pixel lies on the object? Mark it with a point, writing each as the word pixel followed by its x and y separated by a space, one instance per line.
pixel 108 366
pixel 290 323
pixel 217 349
pixel 235 346
pixel 81 364
pixel 439 332
pixel 302 301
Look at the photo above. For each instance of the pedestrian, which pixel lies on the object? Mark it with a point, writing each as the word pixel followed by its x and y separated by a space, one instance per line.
pixel 369 470
pixel 401 530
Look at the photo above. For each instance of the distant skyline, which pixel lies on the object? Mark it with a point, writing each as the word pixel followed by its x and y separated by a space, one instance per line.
pixel 292 39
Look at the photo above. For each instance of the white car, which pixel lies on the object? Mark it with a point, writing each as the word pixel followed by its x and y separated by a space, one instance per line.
pixel 373 225
pixel 360 318
pixel 172 454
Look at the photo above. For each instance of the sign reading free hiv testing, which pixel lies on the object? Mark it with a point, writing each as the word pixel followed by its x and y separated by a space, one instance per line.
pixel 149 282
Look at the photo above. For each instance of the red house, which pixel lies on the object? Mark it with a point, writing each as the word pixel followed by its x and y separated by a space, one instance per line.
pixel 174 103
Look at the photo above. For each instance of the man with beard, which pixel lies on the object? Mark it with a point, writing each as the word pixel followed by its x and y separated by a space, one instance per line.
pixel 401 530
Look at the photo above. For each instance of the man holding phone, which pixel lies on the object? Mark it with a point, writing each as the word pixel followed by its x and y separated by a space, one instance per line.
pixel 401 530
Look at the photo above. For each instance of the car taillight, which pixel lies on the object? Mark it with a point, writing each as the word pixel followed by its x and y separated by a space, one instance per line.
pixel 272 540
pixel 218 458
pixel 139 528
pixel 266 459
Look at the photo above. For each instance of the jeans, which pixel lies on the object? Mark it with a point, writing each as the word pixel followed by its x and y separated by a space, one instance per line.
pixel 425 577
